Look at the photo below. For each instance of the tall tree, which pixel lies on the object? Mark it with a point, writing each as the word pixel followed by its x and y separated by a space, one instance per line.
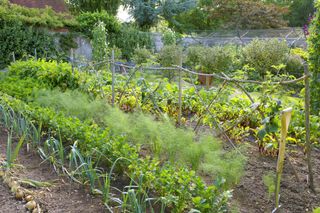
pixel 111 6
pixel 249 14
pixel 147 13
pixel 300 10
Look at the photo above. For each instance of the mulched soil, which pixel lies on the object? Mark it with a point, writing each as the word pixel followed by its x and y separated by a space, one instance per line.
pixel 63 196
pixel 251 195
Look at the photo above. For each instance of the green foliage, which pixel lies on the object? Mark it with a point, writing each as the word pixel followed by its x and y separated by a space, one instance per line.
pixel 129 38
pixel 35 17
pixel 217 59
pixel 181 188
pixel 316 210
pixel 88 20
pixel 161 139
pixel 99 43
pixel 194 54
pixel 22 41
pixel 269 182
pixel 169 38
pixel 78 6
pixel 263 54
pixel 294 66
pixel 66 42
pixel 20 88
pixel 314 62
pixel 141 56
pixel 148 14
pixel 51 73
pixel 231 14
pixel 172 150
pixel 211 60
pixel 300 52
pixel 170 55
pixel 72 103
pixel 299 12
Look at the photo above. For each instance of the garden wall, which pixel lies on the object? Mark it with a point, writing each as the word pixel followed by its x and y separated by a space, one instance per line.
pixel 291 35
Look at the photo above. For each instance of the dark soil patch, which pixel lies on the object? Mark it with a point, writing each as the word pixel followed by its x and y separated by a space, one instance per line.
pixel 63 196
pixel 251 195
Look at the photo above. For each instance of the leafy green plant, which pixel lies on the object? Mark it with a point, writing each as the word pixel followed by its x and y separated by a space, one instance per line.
pixel 316 210
pixel 269 182
pixel 89 137
pixel 169 37
pixel 88 20
pixel 129 38
pixel 170 55
pixel 212 59
pixel 314 64
pixel 51 73
pixel 99 43
pixel 45 17
pixel 23 41
pixel 217 59
pixel 262 54
pixel 141 56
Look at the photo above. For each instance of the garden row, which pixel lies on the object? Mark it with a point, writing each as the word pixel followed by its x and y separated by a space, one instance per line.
pixel 172 150
pixel 161 97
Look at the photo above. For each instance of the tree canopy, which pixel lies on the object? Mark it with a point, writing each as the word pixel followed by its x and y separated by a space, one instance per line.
pixel 111 6
pixel 249 14
pixel 147 13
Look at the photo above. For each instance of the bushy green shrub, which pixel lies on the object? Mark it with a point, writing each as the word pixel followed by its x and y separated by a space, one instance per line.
pixel 263 54
pixel 141 55
pixel 129 38
pixel 51 73
pixel 23 41
pixel 19 88
pixel 170 55
pixel 194 54
pixel 217 59
pixel 169 37
pixel 294 66
pixel 46 17
pixel 212 59
pixel 88 20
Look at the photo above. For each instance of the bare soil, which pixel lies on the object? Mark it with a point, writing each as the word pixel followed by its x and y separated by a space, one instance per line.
pixel 251 195
pixel 62 196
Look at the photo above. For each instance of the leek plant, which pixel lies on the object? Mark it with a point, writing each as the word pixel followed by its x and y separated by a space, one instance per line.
pixel 83 167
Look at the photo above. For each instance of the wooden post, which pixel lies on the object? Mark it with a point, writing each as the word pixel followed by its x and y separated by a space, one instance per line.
pixel 72 59
pixel 13 57
pixel 113 73
pixel 307 124
pixel 35 54
pixel 285 120
pixel 180 94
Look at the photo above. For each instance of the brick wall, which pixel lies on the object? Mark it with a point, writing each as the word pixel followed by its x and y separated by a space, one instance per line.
pixel 57 5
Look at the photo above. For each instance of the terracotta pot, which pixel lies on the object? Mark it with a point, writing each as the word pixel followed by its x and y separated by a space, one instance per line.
pixel 205 80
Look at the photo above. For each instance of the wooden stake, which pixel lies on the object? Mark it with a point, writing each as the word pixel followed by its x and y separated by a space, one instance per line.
pixel 113 73
pixel 307 124
pixel 180 95
pixel 285 120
